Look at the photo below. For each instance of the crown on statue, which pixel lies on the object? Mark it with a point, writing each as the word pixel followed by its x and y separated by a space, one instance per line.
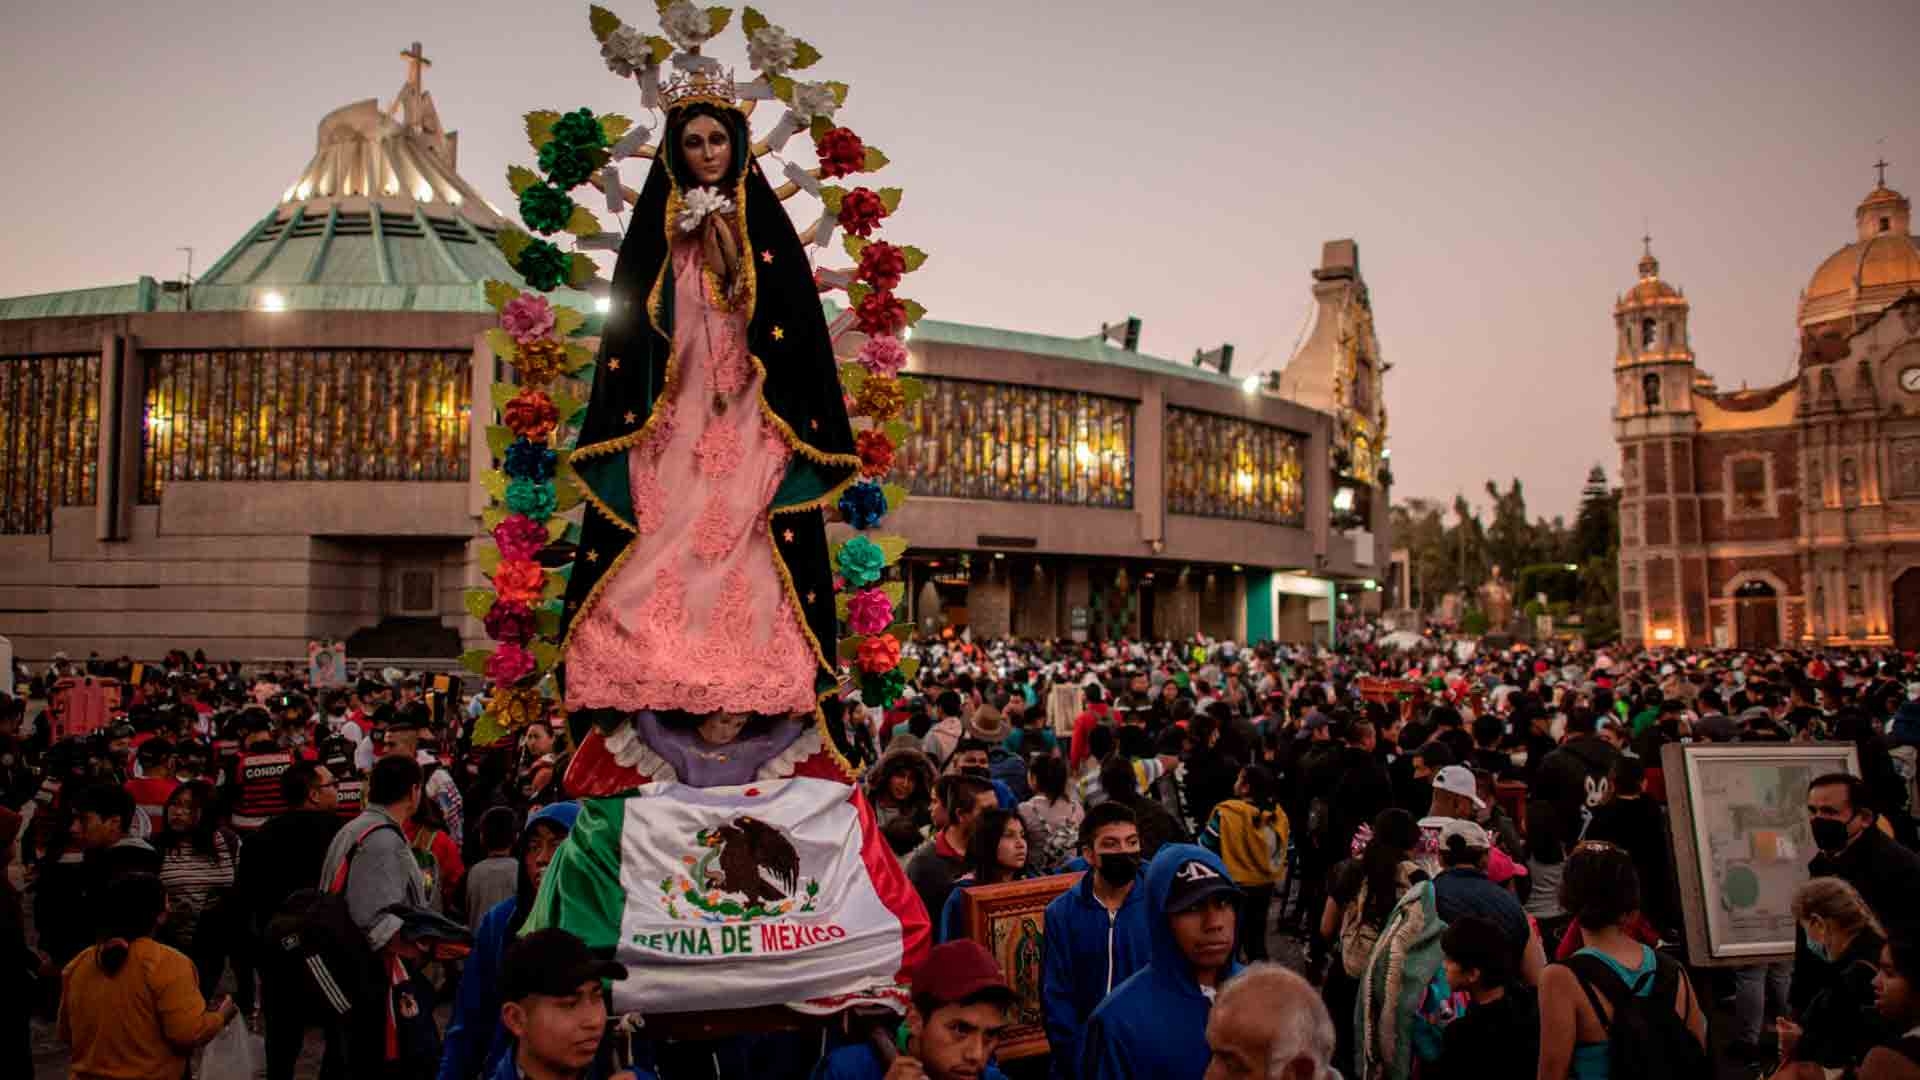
pixel 715 87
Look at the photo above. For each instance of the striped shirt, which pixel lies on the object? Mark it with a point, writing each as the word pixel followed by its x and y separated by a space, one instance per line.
pixel 195 880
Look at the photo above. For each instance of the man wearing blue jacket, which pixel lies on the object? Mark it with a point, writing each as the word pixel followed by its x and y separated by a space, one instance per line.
pixel 1096 933
pixel 1155 1024
pixel 476 1043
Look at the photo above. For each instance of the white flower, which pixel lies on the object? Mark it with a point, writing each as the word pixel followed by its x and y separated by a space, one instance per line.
pixel 696 204
pixel 771 49
pixel 626 51
pixel 686 24
pixel 811 99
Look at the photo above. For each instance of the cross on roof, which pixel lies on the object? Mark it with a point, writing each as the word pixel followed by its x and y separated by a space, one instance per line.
pixel 1881 165
pixel 416 60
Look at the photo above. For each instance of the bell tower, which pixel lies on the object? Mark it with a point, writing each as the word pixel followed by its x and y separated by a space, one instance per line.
pixel 1662 576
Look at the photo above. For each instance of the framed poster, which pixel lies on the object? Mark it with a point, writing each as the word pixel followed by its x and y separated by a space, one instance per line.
pixel 326 664
pixel 1010 920
pixel 1741 842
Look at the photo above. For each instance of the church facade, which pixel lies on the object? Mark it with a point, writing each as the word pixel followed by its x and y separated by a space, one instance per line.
pixel 1788 514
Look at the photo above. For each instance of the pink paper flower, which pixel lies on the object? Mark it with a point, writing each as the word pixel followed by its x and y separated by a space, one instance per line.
pixel 869 612
pixel 519 537
pixel 883 355
pixel 509 664
pixel 527 317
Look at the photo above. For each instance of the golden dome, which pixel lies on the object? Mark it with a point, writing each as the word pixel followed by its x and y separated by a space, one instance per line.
pixel 1651 290
pixel 1881 266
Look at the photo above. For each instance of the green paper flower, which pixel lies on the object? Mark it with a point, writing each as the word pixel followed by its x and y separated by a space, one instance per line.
pixel 577 149
pixel 880 691
pixel 861 561
pixel 544 266
pixel 534 498
pixel 545 208
pixel 580 128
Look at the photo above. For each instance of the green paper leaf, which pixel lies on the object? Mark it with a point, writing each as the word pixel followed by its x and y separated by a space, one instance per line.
pixel 565 498
pixel 833 551
pixel 875 160
pixel 578 356
pixel 915 258
pixel 488 730
pixel 891 546
pixel 475 660
pixel 580 270
pixel 556 528
pixel 895 493
pixel 499 294
pixel 492 516
pixel 499 437
pixel 556 587
pixel 897 432
pixel 545 655
pixel 911 390
pixel 662 5
pixel 832 197
pixel 840 91
pixel 573 533
pixel 662 48
pixel 566 320
pixel 915 310
pixel 540 127
pixel 804 55
pixel 547 622
pixel 890 198
pixel 717 19
pixel 479 602
pixel 840 605
pixel 489 558
pixel 850 647
pixel 613 125
pixel 895 591
pixel 818 127
pixel 901 632
pixel 520 178
pixel 857 292
pixel 854 245
pixel 752 21
pixel 495 482
pixel 582 223
pixel 502 345
pixel 603 22
pixel 512 242
pixel 782 87
pixel 501 393
pixel 909 667
pixel 852 378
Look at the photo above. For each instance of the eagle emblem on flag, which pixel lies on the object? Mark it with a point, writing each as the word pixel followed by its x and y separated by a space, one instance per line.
pixel 747 869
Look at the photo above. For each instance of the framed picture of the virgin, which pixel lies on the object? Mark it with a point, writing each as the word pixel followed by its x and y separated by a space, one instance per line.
pixel 1010 920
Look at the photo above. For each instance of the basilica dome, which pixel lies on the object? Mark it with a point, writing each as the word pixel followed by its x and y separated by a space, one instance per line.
pixel 1879 267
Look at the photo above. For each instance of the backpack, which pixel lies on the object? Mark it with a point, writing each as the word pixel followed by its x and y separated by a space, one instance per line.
pixel 1646 1038
pixel 315 932
pixel 1357 935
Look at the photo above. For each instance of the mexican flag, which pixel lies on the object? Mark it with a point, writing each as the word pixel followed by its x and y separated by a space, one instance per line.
pixel 775 893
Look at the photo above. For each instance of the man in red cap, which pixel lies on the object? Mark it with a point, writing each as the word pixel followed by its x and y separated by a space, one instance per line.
pixel 961 1008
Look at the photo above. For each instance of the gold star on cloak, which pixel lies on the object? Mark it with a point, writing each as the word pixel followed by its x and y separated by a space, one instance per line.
pixel 767 257
pixel 787 536
pixel 630 418
pixel 593 556
pixel 779 334
pixel 613 364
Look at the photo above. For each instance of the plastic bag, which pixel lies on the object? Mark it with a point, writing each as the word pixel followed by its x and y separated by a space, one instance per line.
pixel 230 1056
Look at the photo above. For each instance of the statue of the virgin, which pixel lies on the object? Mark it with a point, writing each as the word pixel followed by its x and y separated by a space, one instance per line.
pixel 699 620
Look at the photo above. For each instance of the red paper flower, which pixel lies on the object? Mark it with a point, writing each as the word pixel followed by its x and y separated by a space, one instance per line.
pixel 879 654
pixel 881 265
pixel 876 452
pixel 518 581
pixel 880 314
pixel 841 153
pixel 510 622
pixel 520 537
pixel 531 414
pixel 861 211
pixel 511 663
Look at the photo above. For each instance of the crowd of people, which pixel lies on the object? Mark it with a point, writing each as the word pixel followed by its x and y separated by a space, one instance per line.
pixel 1467 852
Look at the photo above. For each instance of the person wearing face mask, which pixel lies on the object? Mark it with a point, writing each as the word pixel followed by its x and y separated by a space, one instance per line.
pixel 1838 1025
pixel 1841 817
pixel 1096 933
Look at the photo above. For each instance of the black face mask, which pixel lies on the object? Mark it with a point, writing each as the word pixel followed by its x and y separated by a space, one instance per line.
pixel 1119 867
pixel 1829 834
pixel 976 770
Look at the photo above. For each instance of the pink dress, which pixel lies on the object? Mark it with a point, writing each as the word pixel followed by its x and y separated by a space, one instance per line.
pixel 697 616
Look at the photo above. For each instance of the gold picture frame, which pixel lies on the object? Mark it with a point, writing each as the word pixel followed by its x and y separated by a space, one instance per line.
pixel 1010 921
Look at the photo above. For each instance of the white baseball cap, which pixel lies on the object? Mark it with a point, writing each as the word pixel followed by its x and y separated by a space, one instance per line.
pixel 1458 779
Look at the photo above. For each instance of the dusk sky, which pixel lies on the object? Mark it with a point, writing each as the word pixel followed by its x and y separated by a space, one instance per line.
pixel 1069 163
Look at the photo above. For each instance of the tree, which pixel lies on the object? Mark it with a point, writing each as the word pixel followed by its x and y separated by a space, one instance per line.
pixel 1597 526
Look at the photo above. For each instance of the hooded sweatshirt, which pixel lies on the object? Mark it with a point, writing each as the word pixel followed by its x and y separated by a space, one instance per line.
pixel 1251 841
pixel 1155 1023
pixel 475 1042
pixel 1086 953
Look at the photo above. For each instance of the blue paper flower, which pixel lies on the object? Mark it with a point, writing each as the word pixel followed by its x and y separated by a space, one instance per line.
pixel 863 505
pixel 534 498
pixel 529 460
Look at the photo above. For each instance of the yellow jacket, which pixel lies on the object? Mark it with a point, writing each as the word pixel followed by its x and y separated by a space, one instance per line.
pixel 1251 841
pixel 139 1023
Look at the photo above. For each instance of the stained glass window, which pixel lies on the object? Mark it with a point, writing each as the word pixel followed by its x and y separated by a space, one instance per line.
pixel 1220 466
pixel 342 414
pixel 49 437
pixel 976 440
